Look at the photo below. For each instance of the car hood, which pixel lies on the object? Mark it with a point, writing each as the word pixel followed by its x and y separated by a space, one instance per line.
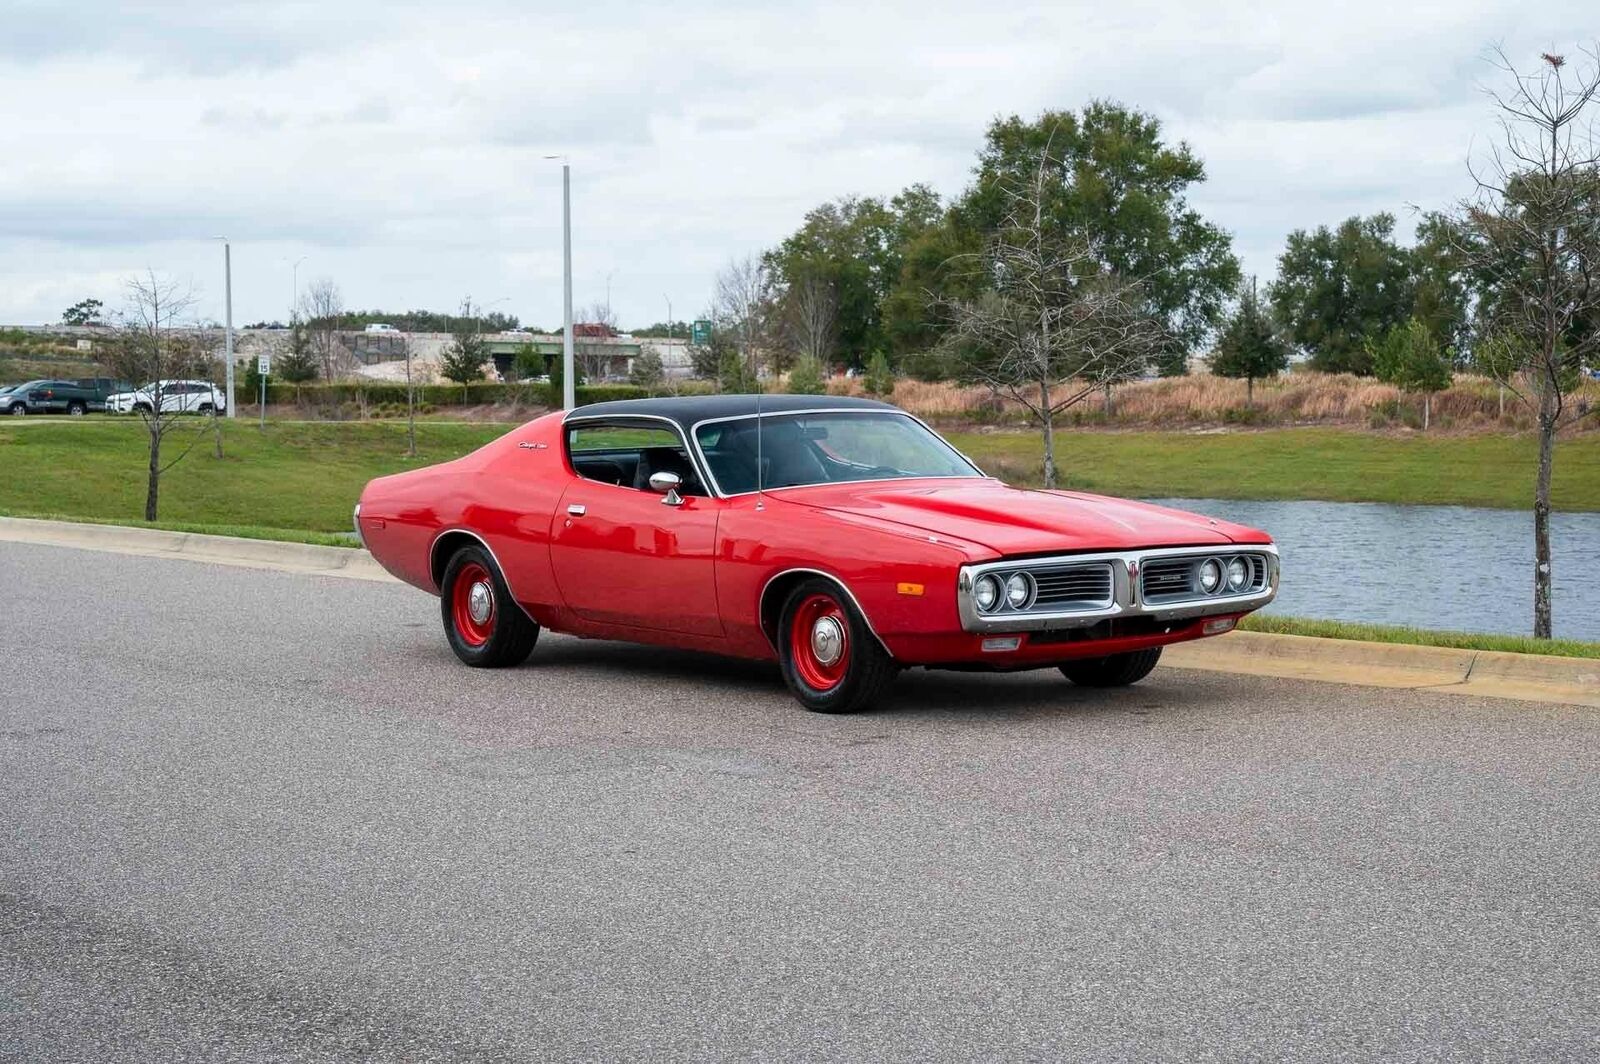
pixel 1014 521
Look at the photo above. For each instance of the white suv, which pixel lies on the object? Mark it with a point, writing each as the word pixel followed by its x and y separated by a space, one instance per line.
pixel 177 397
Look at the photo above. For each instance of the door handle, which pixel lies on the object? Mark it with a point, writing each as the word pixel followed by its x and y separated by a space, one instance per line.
pixel 577 509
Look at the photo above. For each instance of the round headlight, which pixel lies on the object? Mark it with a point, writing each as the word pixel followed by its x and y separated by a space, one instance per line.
pixel 1238 574
pixel 1019 590
pixel 986 592
pixel 1210 575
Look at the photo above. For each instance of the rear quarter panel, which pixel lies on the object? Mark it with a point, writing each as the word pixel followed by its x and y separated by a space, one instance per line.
pixel 504 493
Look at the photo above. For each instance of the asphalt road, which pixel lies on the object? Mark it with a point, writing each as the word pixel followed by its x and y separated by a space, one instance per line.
pixel 255 816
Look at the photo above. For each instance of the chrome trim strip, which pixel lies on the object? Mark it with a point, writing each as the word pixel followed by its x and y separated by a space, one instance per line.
pixel 1125 594
pixel 694 437
pixel 827 576
pixel 433 549
pixel 695 458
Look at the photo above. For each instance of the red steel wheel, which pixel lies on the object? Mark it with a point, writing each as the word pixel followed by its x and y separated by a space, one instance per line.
pixel 472 604
pixel 819 642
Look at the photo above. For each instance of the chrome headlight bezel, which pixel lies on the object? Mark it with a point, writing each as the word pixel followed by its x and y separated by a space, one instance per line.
pixel 1020 590
pixel 988 582
pixel 1240 573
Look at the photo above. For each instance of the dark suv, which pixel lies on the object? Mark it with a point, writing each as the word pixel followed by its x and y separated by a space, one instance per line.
pixel 62 396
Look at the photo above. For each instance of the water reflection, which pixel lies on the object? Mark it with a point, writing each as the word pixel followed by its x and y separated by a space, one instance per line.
pixel 1432 566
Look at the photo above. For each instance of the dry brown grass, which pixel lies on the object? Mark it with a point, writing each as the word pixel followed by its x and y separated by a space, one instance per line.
pixel 1302 398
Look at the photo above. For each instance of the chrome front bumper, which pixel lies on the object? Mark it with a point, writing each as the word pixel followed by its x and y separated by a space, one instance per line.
pixel 1126 595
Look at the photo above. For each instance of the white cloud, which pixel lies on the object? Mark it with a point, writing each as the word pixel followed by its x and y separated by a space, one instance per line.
pixel 397 147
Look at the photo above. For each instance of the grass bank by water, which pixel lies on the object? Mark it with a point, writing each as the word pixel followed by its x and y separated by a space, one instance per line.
pixel 306 476
pixel 1336 465
pixel 1384 633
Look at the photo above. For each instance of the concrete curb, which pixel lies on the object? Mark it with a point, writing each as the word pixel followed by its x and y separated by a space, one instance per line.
pixel 1533 677
pixel 1489 673
pixel 351 563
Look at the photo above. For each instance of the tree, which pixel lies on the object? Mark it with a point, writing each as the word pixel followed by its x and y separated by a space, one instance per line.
pixel 1532 231
pixel 83 312
pixel 1249 345
pixel 297 364
pixel 1119 193
pixel 462 361
pixel 324 312
pixel 1442 282
pixel 706 359
pixel 1339 290
pixel 879 379
pixel 806 378
pixel 1058 323
pixel 734 375
pixel 854 247
pixel 148 346
pixel 528 364
pixel 1411 358
pixel 811 316
pixel 744 308
pixel 558 377
pixel 592 348
pixel 647 370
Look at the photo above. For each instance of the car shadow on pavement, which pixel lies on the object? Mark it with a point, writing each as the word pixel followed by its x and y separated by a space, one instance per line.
pixel 916 691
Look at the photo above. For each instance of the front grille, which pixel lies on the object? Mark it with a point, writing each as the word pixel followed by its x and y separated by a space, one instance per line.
pixel 1177 579
pixel 1066 586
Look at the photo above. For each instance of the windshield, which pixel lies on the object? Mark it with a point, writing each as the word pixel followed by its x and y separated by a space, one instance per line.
pixel 797 449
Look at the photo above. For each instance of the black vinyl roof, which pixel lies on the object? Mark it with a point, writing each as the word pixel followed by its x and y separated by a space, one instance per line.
pixel 687 410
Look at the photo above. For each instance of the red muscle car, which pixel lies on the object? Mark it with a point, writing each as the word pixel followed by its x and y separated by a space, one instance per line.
pixel 842 537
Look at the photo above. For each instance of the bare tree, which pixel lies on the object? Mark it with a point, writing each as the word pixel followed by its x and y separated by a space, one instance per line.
pixel 149 346
pixel 1532 233
pixel 1056 326
pixel 743 306
pixel 592 346
pixel 811 318
pixel 324 313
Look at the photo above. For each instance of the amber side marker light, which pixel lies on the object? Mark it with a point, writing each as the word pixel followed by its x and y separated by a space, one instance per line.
pixel 1218 626
pixel 909 589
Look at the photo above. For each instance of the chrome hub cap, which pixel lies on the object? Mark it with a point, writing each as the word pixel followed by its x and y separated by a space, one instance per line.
pixel 480 602
pixel 827 640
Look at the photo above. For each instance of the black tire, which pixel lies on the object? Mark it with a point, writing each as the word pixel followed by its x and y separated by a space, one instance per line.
pixel 76 409
pixel 868 670
pixel 1114 670
pixel 508 636
pixel 16 409
pixel 143 408
pixel 205 408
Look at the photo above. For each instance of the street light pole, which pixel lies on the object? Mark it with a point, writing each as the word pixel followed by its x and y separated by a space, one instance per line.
pixel 569 390
pixel 294 296
pixel 227 273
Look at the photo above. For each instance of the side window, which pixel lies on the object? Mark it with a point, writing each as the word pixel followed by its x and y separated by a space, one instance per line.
pixel 627 453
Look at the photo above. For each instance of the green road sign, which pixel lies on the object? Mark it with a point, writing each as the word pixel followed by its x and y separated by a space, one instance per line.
pixel 700 333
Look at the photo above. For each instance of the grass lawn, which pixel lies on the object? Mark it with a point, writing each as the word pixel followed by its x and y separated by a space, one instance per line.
pixel 1384 633
pixel 297 476
pixel 1337 465
pixel 305 476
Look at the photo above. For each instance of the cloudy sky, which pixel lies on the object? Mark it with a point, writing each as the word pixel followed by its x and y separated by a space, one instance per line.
pixel 398 147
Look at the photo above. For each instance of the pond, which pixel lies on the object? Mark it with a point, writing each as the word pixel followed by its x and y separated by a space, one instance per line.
pixel 1452 567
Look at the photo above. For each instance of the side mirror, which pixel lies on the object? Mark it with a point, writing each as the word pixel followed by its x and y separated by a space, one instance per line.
pixel 667 484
